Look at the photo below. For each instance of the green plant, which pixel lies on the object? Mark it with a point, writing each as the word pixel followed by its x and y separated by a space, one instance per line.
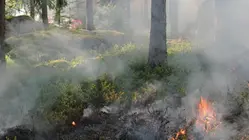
pixel 7 138
pixel 100 92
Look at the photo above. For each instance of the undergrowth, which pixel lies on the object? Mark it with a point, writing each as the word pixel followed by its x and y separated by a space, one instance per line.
pixel 65 87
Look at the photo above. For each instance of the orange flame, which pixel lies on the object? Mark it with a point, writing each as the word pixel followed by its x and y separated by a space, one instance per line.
pixel 73 123
pixel 181 132
pixel 206 117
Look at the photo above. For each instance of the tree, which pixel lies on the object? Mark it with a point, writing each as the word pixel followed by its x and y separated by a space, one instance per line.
pixel 32 8
pixel 89 15
pixel 2 32
pixel 157 46
pixel 45 13
pixel 58 7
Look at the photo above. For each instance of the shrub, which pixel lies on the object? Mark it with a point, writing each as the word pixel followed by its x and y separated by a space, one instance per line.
pixel 101 91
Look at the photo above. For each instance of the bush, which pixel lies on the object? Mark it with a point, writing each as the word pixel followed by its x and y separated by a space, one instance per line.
pixel 101 91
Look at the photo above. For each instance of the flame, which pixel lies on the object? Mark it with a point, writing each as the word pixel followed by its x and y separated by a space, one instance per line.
pixel 206 116
pixel 206 119
pixel 179 133
pixel 73 123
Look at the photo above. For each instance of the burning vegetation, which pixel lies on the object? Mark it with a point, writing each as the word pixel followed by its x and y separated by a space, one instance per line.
pixel 205 121
pixel 206 116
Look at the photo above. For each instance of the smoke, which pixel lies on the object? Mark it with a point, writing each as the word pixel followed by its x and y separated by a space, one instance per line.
pixel 224 54
pixel 212 75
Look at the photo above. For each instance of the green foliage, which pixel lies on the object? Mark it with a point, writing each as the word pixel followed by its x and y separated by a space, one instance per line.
pixel 66 107
pixel 7 138
pixel 12 6
pixel 101 91
pixel 178 46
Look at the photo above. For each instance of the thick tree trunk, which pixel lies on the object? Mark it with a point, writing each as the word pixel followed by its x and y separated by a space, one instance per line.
pixel 157 46
pixel 2 33
pixel 89 15
pixel 173 7
pixel 32 8
pixel 45 13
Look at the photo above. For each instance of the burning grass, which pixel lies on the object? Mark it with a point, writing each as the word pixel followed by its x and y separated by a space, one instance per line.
pixel 205 121
pixel 206 116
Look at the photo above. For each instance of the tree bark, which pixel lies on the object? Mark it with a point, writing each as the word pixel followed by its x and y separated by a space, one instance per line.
pixel 32 8
pixel 173 7
pixel 45 13
pixel 89 15
pixel 157 46
pixel 58 15
pixel 2 33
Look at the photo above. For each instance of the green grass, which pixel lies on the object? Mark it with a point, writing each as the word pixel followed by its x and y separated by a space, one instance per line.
pixel 178 46
pixel 9 61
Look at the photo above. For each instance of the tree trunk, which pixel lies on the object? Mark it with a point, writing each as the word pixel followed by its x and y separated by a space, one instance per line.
pixel 157 46
pixel 58 15
pixel 2 33
pixel 58 12
pixel 173 7
pixel 32 8
pixel 89 15
pixel 45 13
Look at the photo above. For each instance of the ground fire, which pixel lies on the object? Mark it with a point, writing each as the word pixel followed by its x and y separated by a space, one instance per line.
pixel 205 119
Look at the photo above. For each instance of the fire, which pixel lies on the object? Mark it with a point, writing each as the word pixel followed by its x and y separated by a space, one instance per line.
pixel 179 133
pixel 206 116
pixel 206 119
pixel 73 123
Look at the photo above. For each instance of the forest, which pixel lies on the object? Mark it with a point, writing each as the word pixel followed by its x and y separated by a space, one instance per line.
pixel 124 70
